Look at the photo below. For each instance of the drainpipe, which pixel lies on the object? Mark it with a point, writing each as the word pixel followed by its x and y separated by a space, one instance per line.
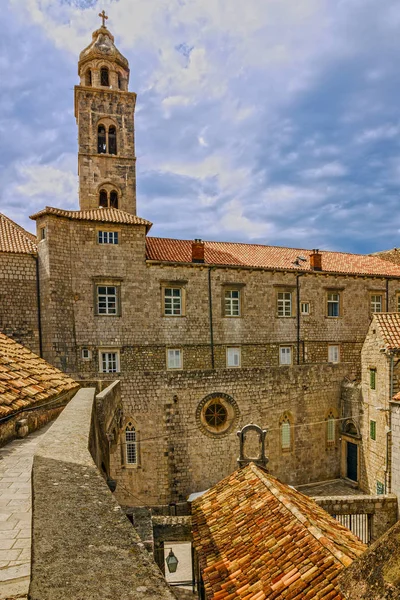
pixel 211 319
pixel 298 316
pixel 387 295
pixel 36 258
pixel 388 475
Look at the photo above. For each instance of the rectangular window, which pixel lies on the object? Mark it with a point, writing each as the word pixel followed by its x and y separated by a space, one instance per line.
pixel 285 355
pixel 109 362
pixel 380 488
pixel 376 304
pixel 233 357
pixel 43 233
pixel 174 359
pixel 372 429
pixel 331 431
pixel 284 304
pixel 107 300
pixel 372 379
pixel 173 301
pixel 131 446
pixel 232 303
pixel 108 237
pixel 86 354
pixel 285 436
pixel 333 304
pixel 305 308
pixel 398 302
pixel 333 354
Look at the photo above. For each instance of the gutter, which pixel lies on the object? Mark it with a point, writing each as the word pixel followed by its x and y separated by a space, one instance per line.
pixel 38 307
pixel 298 316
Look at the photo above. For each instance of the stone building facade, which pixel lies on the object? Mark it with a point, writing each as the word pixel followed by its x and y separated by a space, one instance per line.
pixel 204 336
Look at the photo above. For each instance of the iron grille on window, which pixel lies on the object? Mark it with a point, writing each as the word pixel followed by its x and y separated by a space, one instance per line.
pixel 131 445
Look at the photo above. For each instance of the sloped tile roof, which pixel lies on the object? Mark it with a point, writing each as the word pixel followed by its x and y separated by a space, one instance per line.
pixel 26 379
pixel 14 238
pixel 104 215
pixel 268 257
pixel 260 539
pixel 389 326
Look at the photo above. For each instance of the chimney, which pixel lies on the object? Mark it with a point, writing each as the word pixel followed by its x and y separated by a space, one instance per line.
pixel 316 260
pixel 198 251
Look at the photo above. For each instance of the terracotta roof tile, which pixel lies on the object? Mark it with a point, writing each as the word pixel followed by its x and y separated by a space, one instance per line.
pixel 268 257
pixel 104 215
pixel 389 326
pixel 14 238
pixel 259 538
pixel 26 379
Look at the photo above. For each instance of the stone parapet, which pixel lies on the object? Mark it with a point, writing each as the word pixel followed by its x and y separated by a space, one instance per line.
pixel 83 545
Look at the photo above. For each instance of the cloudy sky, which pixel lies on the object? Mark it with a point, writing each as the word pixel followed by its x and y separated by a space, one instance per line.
pixel 270 121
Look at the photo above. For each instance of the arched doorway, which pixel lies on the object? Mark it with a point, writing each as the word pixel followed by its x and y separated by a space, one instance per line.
pixel 350 455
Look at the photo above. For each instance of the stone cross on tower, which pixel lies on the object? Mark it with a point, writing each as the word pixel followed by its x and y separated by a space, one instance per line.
pixel 104 17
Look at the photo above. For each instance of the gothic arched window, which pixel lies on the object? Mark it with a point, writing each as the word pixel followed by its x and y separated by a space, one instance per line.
pixel 104 77
pixel 101 140
pixel 331 429
pixel 113 199
pixel 131 453
pixel 286 433
pixel 103 200
pixel 112 140
pixel 88 77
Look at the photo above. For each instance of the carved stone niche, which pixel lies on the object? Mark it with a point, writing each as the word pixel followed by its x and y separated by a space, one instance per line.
pixel 252 445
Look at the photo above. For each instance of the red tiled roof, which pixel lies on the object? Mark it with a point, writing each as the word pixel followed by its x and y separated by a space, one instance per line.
pixel 268 257
pixel 389 326
pixel 104 215
pixel 258 538
pixel 26 379
pixel 13 238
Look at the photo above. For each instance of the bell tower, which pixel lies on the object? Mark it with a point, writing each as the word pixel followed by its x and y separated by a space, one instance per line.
pixel 104 111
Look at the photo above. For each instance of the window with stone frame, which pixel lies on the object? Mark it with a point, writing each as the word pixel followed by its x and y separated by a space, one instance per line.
pixel 372 379
pixel 109 361
pixel 107 299
pixel 398 301
pixel 333 353
pixel 284 304
pixel 104 77
pixel 333 304
pixel 233 357
pixel 101 139
pixel 174 358
pixel 112 140
pixel 232 299
pixel 107 237
pixel 331 430
pixel 376 303
pixel 286 433
pixel 131 444
pixel 88 78
pixel 173 301
pixel 285 355
pixel 372 429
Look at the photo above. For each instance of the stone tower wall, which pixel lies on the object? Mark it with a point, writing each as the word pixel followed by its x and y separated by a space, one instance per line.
pixel 94 106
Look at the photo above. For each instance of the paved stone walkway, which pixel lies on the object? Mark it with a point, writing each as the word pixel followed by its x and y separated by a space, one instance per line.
pixel 15 514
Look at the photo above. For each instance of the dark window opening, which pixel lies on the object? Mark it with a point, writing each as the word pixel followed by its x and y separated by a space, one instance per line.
pixel 119 81
pixel 113 200
pixel 88 77
pixel 101 140
pixel 112 140
pixel 104 77
pixel 216 414
pixel 103 201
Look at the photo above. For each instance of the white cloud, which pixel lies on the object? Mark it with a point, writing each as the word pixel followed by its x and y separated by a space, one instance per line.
pixel 326 171
pixel 383 132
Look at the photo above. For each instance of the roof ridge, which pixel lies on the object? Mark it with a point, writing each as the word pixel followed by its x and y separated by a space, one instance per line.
pixel 314 530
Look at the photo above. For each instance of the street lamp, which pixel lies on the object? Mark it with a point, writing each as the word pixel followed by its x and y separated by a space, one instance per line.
pixel 172 562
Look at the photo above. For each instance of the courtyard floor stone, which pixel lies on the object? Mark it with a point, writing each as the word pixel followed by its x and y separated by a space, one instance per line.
pixel 16 514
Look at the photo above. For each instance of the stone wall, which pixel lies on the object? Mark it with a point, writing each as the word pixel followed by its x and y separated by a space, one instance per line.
pixel 36 417
pixel 18 299
pixel 179 454
pixel 395 447
pixel 382 509
pixel 83 546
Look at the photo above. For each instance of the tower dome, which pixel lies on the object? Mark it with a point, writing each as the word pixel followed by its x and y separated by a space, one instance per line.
pixel 101 64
